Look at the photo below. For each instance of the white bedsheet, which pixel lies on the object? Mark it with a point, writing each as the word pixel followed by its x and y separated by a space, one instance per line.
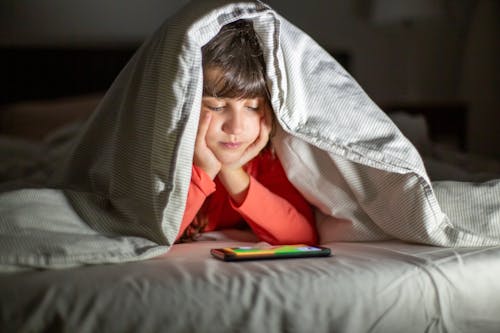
pixel 365 287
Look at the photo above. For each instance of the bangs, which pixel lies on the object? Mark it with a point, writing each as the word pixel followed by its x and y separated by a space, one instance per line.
pixel 218 82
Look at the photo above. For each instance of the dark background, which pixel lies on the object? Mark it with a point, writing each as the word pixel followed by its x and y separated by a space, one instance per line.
pixel 438 55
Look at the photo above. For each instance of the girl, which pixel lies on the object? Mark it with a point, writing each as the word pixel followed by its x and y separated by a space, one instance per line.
pixel 235 175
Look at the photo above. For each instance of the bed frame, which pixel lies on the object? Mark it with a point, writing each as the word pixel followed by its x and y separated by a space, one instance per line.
pixel 47 73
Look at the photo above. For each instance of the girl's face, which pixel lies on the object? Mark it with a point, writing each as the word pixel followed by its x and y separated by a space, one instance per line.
pixel 234 126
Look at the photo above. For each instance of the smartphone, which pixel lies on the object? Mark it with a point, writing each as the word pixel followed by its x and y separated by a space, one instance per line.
pixel 272 252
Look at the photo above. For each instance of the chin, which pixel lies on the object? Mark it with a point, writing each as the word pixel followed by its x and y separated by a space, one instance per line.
pixel 229 158
pixel 228 161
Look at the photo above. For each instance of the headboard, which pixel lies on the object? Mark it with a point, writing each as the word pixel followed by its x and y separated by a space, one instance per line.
pixel 447 122
pixel 45 73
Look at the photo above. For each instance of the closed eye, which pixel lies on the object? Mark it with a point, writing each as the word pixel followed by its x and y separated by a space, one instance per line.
pixel 216 108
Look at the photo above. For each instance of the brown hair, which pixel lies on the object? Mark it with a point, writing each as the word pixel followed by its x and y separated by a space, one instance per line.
pixel 236 53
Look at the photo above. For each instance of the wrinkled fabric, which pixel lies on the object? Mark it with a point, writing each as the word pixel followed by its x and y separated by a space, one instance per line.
pixel 386 287
pixel 123 180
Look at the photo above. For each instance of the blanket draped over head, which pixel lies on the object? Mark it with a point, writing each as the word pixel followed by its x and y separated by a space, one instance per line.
pixel 118 191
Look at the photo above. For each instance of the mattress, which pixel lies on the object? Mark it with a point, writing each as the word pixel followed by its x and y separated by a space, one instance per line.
pixel 387 286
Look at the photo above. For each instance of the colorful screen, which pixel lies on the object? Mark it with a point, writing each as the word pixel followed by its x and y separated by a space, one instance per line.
pixel 275 250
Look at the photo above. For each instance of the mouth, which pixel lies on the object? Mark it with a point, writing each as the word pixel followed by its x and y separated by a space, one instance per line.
pixel 231 145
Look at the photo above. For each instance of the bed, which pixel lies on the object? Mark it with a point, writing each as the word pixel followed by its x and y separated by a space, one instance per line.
pixel 386 286
pixel 365 287
pixel 370 286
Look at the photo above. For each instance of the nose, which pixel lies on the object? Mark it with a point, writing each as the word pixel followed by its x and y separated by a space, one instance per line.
pixel 234 123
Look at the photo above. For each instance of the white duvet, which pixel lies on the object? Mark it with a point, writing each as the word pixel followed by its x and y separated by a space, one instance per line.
pixel 117 191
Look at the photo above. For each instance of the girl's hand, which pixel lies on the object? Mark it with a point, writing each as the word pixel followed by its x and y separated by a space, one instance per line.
pixel 204 158
pixel 255 148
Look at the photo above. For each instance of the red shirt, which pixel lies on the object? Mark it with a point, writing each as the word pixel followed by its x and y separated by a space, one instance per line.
pixel 275 211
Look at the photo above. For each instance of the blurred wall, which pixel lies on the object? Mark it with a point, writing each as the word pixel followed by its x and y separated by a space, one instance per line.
pixel 452 58
pixel 480 81
pixel 81 22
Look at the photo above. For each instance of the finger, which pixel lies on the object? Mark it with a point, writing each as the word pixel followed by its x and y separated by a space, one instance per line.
pixel 269 116
pixel 269 119
pixel 265 129
pixel 203 125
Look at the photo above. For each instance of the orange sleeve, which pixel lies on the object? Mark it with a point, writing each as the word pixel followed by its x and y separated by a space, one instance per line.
pixel 278 214
pixel 200 188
